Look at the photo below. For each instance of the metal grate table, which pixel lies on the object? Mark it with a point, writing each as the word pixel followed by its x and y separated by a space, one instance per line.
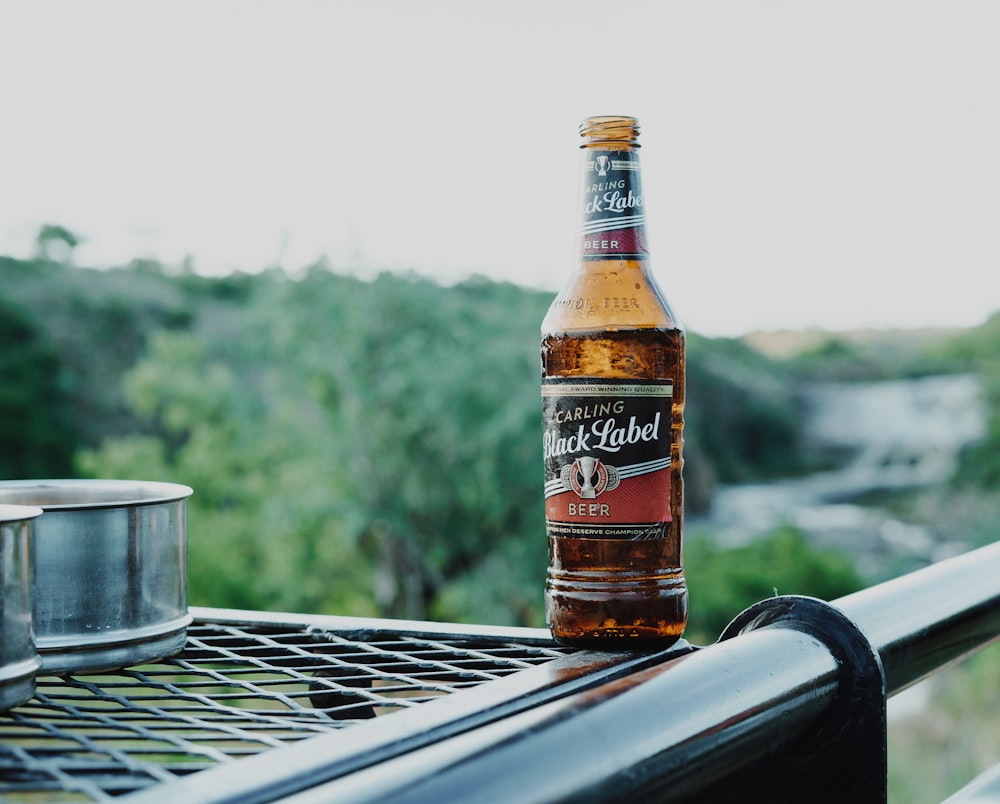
pixel 324 695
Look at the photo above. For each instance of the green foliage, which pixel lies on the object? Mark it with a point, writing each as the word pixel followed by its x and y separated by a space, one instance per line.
pixel 55 242
pixel 834 359
pixel 36 426
pixel 969 348
pixel 978 463
pixel 96 324
pixel 871 356
pixel 940 749
pixel 724 582
pixel 980 348
pixel 369 444
pixel 741 414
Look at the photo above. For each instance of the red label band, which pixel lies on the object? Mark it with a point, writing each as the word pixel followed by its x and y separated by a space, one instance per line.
pixel 634 500
pixel 620 243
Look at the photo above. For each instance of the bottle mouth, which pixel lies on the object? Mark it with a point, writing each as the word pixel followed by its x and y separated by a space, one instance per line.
pixel 609 128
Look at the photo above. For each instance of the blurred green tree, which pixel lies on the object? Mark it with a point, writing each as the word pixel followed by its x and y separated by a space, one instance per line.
pixel 724 582
pixel 979 349
pixel 55 243
pixel 354 446
pixel 36 423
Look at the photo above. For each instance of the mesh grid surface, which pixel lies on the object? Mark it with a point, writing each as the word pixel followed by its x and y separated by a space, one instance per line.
pixel 235 690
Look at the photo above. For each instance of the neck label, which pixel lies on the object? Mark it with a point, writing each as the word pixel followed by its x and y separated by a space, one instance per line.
pixel 613 218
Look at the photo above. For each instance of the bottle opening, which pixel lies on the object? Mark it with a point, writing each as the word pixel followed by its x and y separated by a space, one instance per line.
pixel 609 128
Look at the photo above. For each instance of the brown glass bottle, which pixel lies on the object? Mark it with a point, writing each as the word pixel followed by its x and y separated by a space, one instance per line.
pixel 612 356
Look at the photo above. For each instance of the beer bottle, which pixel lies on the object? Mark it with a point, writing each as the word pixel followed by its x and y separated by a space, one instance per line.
pixel 612 354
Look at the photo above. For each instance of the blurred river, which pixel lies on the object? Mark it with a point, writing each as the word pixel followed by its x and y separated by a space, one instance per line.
pixel 900 434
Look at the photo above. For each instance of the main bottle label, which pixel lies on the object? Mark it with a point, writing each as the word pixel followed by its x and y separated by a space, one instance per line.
pixel 613 218
pixel 607 457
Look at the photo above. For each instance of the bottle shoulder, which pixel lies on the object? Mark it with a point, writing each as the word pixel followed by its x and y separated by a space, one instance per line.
pixel 610 294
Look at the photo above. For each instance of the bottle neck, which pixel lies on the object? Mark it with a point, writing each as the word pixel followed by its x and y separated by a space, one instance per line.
pixel 612 212
pixel 612 286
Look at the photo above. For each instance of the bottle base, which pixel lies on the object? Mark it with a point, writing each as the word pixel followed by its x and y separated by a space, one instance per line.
pixel 616 642
pixel 652 619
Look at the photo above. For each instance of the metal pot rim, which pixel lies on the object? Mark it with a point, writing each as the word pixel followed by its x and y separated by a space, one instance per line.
pixel 18 513
pixel 107 493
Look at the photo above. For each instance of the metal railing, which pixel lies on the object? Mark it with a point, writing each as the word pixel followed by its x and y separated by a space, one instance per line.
pixel 790 703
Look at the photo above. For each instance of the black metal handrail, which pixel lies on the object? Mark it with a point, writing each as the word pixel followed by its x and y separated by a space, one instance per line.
pixel 925 620
pixel 792 697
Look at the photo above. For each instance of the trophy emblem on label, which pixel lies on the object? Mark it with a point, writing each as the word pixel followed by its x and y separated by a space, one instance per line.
pixel 589 477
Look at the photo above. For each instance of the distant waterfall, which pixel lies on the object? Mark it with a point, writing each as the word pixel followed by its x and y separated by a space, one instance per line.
pixel 902 432
pixel 898 434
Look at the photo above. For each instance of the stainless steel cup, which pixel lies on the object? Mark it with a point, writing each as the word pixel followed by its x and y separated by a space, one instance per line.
pixel 18 656
pixel 110 570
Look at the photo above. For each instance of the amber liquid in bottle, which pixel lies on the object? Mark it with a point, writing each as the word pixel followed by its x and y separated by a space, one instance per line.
pixel 612 323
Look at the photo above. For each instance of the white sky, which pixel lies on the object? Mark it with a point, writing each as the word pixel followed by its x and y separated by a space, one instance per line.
pixel 805 164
